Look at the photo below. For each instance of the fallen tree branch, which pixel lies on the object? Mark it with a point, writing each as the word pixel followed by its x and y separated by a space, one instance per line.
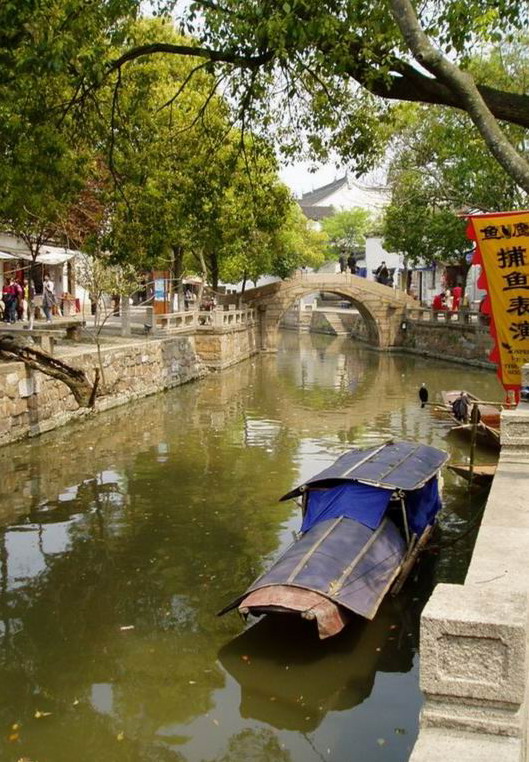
pixel 15 349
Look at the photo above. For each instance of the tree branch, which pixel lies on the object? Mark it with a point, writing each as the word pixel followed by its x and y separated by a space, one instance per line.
pixel 221 56
pixel 464 87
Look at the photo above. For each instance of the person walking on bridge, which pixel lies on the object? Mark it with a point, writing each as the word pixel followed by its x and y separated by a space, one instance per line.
pixel 342 260
pixel 351 261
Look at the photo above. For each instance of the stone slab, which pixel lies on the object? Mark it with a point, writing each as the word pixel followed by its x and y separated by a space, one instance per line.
pixel 500 559
pixel 508 503
pixel 474 644
pixel 436 745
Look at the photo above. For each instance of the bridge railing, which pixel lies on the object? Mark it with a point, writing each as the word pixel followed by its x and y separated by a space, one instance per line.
pixel 196 320
pixel 462 316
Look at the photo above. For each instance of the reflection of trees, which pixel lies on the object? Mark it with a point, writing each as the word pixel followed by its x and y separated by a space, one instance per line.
pixel 252 744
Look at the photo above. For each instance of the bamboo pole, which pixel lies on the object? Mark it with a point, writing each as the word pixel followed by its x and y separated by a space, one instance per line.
pixel 474 420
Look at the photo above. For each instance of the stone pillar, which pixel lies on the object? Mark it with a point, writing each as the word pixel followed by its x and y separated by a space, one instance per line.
pixel 125 316
pixel 474 658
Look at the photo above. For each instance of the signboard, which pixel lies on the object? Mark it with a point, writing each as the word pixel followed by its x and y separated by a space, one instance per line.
pixel 502 249
pixel 161 292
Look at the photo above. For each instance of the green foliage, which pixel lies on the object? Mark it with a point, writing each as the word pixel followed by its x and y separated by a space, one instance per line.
pixel 347 230
pixel 329 63
pixel 441 168
pixel 421 231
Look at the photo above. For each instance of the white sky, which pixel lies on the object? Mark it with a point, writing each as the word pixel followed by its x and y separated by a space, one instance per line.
pixel 300 180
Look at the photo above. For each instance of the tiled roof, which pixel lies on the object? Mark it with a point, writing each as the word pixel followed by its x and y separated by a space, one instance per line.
pixel 316 213
pixel 312 197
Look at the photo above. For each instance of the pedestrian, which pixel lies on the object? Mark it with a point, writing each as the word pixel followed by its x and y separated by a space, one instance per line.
pixel 48 297
pixel 449 300
pixel 438 302
pixel 10 301
pixel 457 293
pixel 351 262
pixel 382 273
pixel 342 260
pixel 19 294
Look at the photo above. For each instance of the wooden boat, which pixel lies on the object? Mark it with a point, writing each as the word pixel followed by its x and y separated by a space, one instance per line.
pixel 489 414
pixel 365 519
pixel 487 431
pixel 482 475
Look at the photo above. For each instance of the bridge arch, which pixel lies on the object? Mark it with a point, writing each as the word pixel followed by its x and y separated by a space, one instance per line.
pixel 381 307
pixel 369 318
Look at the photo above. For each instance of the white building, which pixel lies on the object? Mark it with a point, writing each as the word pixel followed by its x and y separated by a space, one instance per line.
pixel 341 195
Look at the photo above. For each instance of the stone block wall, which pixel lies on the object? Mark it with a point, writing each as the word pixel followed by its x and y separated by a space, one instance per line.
pixel 31 402
pixel 469 344
pixel 219 349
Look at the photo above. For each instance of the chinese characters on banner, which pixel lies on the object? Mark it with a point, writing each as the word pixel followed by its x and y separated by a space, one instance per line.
pixel 502 241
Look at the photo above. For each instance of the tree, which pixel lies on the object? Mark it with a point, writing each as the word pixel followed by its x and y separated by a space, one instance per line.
pixel 347 230
pixel 189 193
pixel 421 230
pixel 320 48
pixel 440 169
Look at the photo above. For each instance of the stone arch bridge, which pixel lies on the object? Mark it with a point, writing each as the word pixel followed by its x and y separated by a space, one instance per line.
pixel 382 307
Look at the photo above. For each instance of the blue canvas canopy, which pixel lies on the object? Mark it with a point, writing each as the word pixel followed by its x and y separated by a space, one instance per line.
pixel 353 500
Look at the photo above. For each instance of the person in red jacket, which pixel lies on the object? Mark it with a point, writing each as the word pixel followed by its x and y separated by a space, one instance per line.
pixel 438 302
pixel 457 293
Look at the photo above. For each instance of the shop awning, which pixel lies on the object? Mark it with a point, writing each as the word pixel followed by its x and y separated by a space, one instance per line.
pixel 14 248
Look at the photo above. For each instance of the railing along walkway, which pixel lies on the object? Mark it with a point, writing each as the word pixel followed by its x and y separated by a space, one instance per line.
pixel 462 316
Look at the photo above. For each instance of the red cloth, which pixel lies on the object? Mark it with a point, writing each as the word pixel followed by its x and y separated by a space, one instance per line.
pixel 437 303
pixel 457 292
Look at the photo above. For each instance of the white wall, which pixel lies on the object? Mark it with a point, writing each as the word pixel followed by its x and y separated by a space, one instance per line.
pixel 376 254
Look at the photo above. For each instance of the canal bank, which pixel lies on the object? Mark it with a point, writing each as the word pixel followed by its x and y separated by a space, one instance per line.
pixel 475 636
pixel 32 403
pixel 460 342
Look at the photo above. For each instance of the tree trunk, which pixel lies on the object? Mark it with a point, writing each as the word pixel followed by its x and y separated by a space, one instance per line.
pixel 461 83
pixel 214 266
pixel 13 349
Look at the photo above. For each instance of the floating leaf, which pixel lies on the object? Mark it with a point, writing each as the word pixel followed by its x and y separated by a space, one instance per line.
pixel 216 722
pixel 38 714
pixel 120 736
pixel 13 737
pixel 192 682
pixel 381 741
pixel 126 627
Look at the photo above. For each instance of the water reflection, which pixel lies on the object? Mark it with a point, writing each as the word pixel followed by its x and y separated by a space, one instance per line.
pixel 124 535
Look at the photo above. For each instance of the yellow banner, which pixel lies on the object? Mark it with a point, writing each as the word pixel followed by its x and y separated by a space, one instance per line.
pixel 503 243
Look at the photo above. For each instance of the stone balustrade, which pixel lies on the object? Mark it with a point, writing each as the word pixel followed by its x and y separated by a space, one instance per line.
pixel 474 637
pixel 197 320
pixel 427 314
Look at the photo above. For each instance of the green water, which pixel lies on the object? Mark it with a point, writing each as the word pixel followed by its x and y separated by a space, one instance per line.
pixel 123 536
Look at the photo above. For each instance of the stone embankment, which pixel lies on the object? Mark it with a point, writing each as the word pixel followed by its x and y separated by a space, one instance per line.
pixel 466 343
pixel 475 637
pixel 32 403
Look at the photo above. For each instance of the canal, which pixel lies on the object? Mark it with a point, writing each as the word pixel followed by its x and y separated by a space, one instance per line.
pixel 121 538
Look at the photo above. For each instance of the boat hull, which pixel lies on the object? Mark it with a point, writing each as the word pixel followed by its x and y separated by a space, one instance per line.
pixel 338 568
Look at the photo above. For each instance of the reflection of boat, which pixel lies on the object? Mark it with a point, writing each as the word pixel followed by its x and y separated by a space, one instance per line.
pixel 488 428
pixel 365 519
pixel 293 683
pixel 480 474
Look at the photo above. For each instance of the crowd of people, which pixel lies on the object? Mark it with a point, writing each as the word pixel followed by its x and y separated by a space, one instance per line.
pixel 449 300
pixel 15 299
